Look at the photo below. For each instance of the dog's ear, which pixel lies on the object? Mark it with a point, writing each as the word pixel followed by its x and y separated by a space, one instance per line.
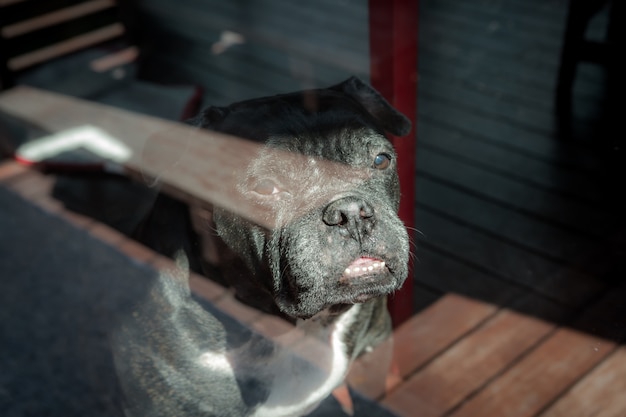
pixel 389 118
pixel 209 117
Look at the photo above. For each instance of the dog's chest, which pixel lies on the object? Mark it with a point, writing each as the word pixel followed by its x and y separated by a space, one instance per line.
pixel 298 386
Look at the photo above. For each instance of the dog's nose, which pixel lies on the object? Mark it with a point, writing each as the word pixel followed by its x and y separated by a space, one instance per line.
pixel 353 215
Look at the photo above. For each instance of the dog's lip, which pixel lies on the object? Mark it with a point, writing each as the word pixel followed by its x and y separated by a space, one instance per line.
pixel 365 287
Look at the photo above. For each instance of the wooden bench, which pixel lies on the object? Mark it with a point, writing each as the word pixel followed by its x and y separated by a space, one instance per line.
pixel 198 167
pixel 155 147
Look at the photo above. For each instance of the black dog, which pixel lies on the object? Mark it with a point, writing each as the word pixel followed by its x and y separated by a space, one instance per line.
pixel 327 175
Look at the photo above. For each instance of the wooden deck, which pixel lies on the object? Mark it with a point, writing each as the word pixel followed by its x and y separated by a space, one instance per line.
pixel 520 280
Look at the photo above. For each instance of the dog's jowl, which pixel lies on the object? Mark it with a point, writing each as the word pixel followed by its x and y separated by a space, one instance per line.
pixel 329 250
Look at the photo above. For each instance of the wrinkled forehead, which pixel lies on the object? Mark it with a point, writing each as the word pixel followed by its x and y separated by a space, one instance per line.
pixel 309 116
pixel 345 144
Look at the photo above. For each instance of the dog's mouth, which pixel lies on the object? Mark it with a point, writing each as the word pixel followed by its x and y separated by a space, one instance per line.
pixel 361 280
pixel 366 278
pixel 363 268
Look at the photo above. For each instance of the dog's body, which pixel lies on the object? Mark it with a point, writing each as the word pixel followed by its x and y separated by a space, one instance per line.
pixel 335 250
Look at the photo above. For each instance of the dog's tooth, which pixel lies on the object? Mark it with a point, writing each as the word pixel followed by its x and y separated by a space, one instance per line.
pixel 366 268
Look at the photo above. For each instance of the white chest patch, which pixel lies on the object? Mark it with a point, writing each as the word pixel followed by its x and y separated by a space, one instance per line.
pixel 298 386
pixel 299 375
pixel 215 362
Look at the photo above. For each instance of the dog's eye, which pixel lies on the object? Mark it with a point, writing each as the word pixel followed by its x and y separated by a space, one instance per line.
pixel 266 187
pixel 382 161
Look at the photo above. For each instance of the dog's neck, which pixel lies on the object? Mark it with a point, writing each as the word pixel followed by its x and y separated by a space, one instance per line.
pixel 250 289
pixel 328 316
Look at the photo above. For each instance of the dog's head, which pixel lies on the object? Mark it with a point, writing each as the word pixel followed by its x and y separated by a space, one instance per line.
pixel 328 175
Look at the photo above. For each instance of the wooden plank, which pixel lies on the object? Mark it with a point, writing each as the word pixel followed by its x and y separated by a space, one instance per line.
pixel 470 57
pixel 21 10
pixel 498 132
pixel 301 42
pixel 157 147
pixel 545 22
pixel 446 61
pixel 599 394
pixel 62 48
pixel 8 2
pixel 526 117
pixel 518 115
pixel 512 164
pixel 531 234
pixel 220 88
pixel 467 365
pixel 59 16
pixel 197 164
pixel 539 378
pixel 534 202
pixel 505 87
pixel 416 342
pixel 124 57
pixel 606 318
pixel 498 44
pixel 442 33
pixel 505 261
pixel 510 86
pixel 441 272
pixel 432 331
pixel 276 71
pixel 423 297
pixel 492 24
pixel 551 12
pixel 331 24
pixel 226 77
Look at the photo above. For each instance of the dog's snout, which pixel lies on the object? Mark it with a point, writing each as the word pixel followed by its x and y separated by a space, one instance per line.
pixel 353 215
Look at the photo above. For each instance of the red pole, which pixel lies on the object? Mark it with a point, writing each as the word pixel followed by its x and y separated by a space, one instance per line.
pixel 393 72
